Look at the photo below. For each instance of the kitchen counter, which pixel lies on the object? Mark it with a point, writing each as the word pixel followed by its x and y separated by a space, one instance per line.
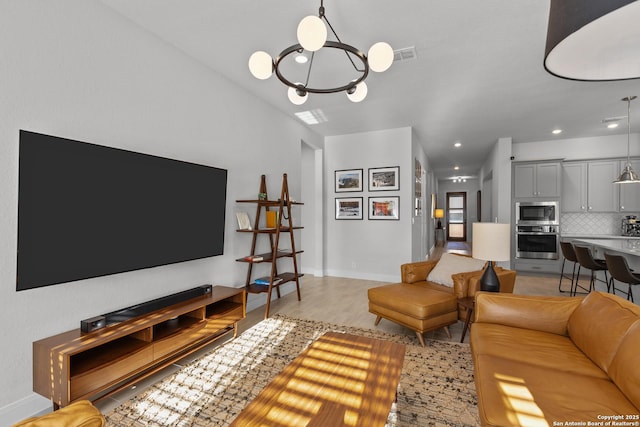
pixel 628 246
pixel 596 236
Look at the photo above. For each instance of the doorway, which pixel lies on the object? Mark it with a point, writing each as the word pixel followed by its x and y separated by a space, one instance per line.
pixel 457 216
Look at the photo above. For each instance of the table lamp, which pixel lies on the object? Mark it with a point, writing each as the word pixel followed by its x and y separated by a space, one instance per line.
pixel 491 242
pixel 439 213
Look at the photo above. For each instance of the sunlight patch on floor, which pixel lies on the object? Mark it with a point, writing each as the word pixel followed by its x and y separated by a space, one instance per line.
pixel 191 388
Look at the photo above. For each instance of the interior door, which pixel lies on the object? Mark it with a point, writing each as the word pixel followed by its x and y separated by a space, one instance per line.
pixel 457 217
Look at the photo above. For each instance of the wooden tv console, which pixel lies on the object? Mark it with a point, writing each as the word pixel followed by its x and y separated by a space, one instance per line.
pixel 75 365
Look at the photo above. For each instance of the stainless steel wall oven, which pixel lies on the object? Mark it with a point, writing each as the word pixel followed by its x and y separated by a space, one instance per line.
pixel 537 241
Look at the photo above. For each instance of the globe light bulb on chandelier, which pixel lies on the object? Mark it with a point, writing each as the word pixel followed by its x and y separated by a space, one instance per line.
pixel 312 36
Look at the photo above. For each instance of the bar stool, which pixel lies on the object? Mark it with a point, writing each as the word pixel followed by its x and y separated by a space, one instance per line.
pixel 620 271
pixel 586 260
pixel 568 255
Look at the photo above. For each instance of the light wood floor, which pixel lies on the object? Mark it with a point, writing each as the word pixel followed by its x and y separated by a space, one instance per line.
pixel 342 301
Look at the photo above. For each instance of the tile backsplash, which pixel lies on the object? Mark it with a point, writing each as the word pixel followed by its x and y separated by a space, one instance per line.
pixel 592 223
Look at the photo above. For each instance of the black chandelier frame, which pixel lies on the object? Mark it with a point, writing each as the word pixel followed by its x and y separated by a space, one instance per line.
pixel 303 89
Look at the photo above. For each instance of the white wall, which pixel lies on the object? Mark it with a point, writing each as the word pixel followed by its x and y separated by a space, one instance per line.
pixel 486 187
pixel 600 147
pixel 311 241
pixel 422 225
pixel 496 173
pixel 78 70
pixel 498 167
pixel 368 249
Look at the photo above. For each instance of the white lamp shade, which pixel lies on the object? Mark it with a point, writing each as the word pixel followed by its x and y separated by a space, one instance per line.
pixel 491 241
pixel 359 94
pixel 312 33
pixel 295 98
pixel 380 57
pixel 261 65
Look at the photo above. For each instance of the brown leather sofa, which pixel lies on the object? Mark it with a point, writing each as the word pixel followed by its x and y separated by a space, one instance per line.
pixel 424 306
pixel 556 360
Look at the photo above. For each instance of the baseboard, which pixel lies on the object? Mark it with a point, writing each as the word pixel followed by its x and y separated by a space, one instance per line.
pixel 313 272
pixel 29 406
pixel 433 248
pixel 363 275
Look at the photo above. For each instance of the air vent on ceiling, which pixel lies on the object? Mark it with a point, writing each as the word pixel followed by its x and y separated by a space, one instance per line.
pixel 405 54
pixel 613 119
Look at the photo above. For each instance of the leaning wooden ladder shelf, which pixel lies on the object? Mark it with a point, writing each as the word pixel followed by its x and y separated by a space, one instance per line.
pixel 282 209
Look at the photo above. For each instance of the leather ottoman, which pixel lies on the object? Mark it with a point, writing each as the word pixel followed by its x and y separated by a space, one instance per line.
pixel 415 306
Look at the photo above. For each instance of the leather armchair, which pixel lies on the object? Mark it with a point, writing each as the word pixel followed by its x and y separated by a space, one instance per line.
pixel 422 305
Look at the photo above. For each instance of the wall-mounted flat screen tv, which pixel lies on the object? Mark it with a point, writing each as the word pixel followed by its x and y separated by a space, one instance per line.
pixel 86 210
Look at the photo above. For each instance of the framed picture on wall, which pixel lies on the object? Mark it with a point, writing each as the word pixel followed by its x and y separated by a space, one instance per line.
pixel 384 179
pixel 385 208
pixel 348 207
pixel 348 180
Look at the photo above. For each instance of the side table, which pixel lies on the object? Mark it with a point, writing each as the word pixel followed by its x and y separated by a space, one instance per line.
pixel 469 304
pixel 439 233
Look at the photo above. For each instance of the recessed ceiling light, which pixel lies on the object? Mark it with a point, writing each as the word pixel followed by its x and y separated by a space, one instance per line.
pixel 612 122
pixel 301 58
pixel 455 168
pixel 458 144
pixel 556 131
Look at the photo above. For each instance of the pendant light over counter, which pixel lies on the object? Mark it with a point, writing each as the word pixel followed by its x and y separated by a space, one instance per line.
pixel 628 175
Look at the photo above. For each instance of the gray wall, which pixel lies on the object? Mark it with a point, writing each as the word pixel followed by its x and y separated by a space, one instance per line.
pixel 77 69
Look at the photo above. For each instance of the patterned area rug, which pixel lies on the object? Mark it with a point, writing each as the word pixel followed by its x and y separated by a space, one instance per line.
pixel 436 386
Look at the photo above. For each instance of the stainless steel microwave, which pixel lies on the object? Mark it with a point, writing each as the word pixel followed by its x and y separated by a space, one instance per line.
pixel 537 213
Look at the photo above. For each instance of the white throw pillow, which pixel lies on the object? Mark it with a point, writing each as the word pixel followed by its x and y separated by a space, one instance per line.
pixel 451 264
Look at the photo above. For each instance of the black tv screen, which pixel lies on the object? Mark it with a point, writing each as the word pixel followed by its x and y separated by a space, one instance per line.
pixel 86 210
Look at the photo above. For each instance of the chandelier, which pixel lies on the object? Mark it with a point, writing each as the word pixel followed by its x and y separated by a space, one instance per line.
pixel 312 37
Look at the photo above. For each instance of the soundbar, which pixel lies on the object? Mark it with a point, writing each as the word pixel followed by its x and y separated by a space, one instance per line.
pixel 93 324
pixel 98 322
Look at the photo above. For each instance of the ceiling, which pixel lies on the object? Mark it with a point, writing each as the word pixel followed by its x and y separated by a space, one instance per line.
pixel 478 75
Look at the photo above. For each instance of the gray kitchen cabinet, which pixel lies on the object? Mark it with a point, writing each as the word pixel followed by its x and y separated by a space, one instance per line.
pixel 534 180
pixel 629 193
pixel 574 187
pixel 602 193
